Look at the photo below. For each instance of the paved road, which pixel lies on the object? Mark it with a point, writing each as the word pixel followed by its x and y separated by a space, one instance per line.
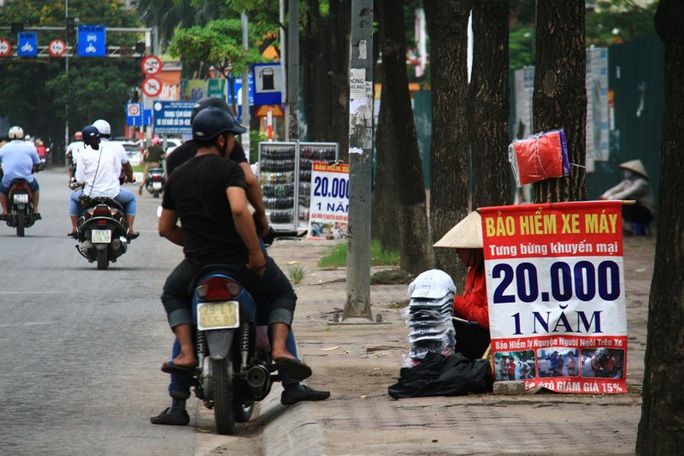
pixel 79 348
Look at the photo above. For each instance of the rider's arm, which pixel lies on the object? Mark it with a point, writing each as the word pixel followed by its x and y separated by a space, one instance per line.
pixel 168 227
pixel 128 171
pixel 244 224
pixel 255 197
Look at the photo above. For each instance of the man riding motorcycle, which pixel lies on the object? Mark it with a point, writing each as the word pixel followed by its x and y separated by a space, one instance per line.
pixel 19 160
pixel 98 170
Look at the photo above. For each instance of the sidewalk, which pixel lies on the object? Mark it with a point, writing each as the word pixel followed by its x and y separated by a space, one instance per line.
pixel 358 362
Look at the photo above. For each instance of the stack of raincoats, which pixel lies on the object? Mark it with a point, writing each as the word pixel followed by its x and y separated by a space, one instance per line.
pixel 428 316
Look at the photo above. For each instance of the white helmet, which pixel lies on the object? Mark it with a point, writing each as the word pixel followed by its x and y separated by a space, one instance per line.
pixel 103 127
pixel 16 132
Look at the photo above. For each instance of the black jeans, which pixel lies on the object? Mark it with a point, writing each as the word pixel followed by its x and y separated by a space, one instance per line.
pixel 471 340
pixel 273 286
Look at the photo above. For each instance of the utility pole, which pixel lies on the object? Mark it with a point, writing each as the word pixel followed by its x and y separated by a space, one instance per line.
pixel 245 88
pixel 292 118
pixel 357 307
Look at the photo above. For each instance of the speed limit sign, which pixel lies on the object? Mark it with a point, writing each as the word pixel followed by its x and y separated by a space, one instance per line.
pixel 5 47
pixel 57 48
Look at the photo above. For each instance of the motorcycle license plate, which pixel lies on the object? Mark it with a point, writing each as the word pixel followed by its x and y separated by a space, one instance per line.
pixel 20 198
pixel 156 185
pixel 218 315
pixel 101 236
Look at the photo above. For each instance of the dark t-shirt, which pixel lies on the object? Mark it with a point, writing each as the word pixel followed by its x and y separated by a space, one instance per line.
pixel 154 153
pixel 197 192
pixel 188 149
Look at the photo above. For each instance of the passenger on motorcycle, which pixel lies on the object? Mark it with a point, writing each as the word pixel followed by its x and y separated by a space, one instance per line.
pixel 152 158
pixel 73 149
pixel 208 196
pixel 97 170
pixel 19 159
pixel 125 169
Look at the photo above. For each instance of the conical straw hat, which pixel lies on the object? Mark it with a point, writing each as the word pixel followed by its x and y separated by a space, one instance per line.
pixel 467 234
pixel 636 166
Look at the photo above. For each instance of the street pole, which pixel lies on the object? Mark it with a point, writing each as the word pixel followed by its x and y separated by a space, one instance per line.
pixel 245 88
pixel 357 307
pixel 292 130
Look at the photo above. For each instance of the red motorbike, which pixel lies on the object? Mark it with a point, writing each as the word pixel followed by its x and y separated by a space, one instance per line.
pixel 20 206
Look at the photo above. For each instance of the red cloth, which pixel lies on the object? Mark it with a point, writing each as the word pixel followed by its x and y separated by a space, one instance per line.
pixel 472 305
pixel 539 157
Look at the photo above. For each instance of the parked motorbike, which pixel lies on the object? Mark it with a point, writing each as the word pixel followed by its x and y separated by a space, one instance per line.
pixel 233 369
pixel 155 181
pixel 102 231
pixel 20 206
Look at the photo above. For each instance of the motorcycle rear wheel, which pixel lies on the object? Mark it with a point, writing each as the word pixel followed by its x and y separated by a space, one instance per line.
pixel 21 222
pixel 224 396
pixel 102 260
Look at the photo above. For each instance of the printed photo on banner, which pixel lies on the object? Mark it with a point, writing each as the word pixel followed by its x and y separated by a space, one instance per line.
pixel 329 209
pixel 555 287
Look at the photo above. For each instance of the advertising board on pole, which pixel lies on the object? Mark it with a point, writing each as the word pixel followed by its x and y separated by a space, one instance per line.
pixel 555 288
pixel 329 209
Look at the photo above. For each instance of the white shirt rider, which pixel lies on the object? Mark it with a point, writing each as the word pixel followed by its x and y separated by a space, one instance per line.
pixel 99 170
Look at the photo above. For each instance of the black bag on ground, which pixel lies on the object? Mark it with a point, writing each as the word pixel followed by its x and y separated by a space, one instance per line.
pixel 439 375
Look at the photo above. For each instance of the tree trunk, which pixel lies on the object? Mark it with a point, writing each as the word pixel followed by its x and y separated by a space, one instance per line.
pixel 490 104
pixel 661 430
pixel 399 187
pixel 560 97
pixel 324 60
pixel 447 22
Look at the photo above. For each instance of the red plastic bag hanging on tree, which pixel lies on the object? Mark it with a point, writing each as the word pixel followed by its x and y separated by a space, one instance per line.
pixel 538 157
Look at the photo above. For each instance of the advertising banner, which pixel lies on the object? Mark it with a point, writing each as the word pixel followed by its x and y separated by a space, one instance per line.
pixel 555 287
pixel 329 209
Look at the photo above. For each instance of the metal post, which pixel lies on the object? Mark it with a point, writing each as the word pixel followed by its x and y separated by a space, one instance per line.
pixel 292 133
pixel 360 163
pixel 245 88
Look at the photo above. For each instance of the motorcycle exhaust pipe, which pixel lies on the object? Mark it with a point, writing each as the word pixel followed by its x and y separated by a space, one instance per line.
pixel 258 380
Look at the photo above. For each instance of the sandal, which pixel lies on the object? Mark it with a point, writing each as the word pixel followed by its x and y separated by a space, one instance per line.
pixel 133 234
pixel 73 234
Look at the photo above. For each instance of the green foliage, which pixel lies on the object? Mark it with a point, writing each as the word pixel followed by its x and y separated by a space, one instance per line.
pixel 35 91
pixel 219 43
pixel 337 256
pixel 611 22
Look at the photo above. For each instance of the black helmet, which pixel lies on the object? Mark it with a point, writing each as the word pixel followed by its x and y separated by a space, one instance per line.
pixel 211 122
pixel 90 133
pixel 209 102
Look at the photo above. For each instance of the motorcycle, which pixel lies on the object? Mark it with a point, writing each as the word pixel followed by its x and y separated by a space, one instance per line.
pixel 20 206
pixel 155 181
pixel 234 369
pixel 102 231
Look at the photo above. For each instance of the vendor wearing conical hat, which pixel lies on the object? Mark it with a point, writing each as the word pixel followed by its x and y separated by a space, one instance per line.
pixel 634 187
pixel 471 311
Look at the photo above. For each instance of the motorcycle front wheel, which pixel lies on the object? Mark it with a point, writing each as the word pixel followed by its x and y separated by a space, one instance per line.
pixel 224 396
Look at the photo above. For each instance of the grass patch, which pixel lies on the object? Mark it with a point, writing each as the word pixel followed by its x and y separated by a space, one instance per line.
pixel 297 273
pixel 337 256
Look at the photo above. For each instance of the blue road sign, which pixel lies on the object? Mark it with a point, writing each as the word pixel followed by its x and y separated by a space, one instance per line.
pixel 172 117
pixel 27 44
pixel 268 84
pixel 92 41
